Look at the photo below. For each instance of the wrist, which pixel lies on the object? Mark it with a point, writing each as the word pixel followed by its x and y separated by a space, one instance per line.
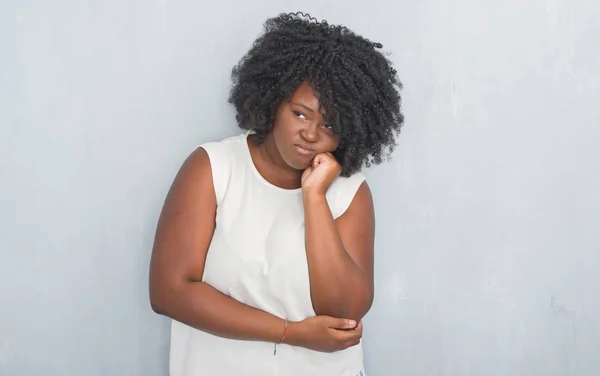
pixel 295 334
pixel 313 195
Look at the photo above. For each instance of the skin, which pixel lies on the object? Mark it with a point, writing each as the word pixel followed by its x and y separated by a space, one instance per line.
pixel 339 252
pixel 340 263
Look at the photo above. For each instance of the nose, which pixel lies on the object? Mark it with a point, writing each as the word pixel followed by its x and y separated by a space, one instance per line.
pixel 310 132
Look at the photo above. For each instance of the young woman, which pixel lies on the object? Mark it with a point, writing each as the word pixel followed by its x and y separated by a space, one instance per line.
pixel 263 254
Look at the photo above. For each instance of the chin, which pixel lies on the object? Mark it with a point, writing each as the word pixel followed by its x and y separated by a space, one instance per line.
pixel 299 165
pixel 294 159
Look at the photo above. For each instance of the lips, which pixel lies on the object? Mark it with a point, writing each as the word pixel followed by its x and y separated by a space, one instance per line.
pixel 304 149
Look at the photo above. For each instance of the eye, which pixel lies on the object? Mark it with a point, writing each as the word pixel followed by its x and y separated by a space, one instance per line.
pixel 328 127
pixel 300 115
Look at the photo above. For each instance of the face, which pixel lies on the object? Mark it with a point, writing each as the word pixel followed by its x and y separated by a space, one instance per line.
pixel 300 131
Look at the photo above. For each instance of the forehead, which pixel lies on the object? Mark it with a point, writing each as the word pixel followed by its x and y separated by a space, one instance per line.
pixel 306 95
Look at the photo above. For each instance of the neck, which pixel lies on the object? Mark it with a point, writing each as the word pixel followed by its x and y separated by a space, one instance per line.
pixel 273 168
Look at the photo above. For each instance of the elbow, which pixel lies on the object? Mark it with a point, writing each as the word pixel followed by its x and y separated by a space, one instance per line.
pixel 346 305
pixel 359 304
pixel 342 311
pixel 358 308
pixel 357 311
pixel 166 296
pixel 156 303
pixel 353 310
pixel 157 306
pixel 158 298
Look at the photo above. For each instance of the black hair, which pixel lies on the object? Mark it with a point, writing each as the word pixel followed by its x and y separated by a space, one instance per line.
pixel 355 83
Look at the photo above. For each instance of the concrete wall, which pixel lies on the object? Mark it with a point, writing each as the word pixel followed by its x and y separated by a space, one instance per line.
pixel 488 217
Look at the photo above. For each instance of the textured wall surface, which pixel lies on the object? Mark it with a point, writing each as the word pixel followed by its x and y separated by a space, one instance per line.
pixel 488 245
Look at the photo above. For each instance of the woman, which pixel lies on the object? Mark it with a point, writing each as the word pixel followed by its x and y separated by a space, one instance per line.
pixel 263 254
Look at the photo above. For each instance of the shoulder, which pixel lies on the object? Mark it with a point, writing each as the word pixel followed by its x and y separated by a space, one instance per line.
pixel 223 156
pixel 225 147
pixel 342 192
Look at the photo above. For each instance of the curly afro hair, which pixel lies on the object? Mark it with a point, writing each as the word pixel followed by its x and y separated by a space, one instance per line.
pixel 354 82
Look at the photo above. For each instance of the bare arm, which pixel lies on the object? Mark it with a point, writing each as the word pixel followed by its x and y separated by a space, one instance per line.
pixel 184 232
pixel 183 235
pixel 340 255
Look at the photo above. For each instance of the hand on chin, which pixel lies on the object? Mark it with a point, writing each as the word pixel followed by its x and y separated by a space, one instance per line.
pixel 322 172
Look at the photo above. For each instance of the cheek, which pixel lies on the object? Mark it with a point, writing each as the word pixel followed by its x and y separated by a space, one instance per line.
pixel 284 144
pixel 334 143
pixel 337 142
pixel 280 135
pixel 282 127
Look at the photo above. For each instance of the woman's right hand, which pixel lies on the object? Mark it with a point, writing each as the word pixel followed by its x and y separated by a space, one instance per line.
pixel 324 333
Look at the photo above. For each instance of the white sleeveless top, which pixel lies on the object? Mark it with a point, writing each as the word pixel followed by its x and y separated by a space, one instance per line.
pixel 257 256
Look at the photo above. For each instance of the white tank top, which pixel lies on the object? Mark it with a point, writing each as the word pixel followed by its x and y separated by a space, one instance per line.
pixel 257 256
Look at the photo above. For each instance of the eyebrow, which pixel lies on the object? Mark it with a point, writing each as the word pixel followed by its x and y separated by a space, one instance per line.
pixel 303 105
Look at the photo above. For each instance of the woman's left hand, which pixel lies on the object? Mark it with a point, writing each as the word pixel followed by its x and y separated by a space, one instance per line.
pixel 323 170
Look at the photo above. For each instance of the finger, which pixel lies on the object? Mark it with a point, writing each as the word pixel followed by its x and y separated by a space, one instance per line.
pixel 355 333
pixel 329 157
pixel 346 336
pixel 359 327
pixel 352 343
pixel 319 158
pixel 342 324
pixel 348 339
